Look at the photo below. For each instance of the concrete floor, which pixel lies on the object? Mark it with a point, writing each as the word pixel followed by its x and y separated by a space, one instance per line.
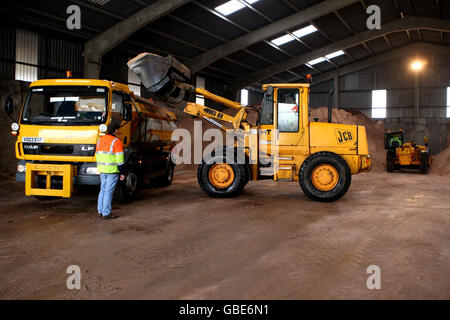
pixel 270 243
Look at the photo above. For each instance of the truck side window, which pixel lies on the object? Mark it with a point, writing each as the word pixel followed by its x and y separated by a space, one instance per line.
pixel 288 110
pixel 266 113
pixel 117 106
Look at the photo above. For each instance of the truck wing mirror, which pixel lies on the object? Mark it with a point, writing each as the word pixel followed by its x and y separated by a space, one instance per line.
pixel 9 106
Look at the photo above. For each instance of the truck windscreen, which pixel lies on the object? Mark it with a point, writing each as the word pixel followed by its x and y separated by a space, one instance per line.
pixel 63 105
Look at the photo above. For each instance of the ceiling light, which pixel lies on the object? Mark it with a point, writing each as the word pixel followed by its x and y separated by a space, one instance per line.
pixel 417 65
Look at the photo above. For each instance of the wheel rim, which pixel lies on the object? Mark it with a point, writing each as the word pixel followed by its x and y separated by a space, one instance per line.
pixel 221 175
pixel 325 177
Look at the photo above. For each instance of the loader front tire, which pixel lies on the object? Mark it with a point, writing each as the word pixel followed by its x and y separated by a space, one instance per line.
pixel 390 162
pixel 325 177
pixel 424 162
pixel 220 177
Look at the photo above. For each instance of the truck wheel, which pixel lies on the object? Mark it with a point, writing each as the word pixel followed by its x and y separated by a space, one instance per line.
pixel 167 178
pixel 127 189
pixel 221 178
pixel 390 163
pixel 424 162
pixel 325 177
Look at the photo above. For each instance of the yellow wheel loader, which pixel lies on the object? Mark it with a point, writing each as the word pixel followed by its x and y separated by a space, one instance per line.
pixel 401 154
pixel 282 145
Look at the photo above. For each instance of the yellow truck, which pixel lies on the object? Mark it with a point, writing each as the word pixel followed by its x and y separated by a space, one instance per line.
pixel 282 145
pixel 60 123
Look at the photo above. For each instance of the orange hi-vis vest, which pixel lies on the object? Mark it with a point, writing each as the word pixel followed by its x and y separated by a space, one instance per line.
pixel 109 154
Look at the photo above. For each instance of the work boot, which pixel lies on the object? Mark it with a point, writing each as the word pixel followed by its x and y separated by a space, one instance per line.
pixel 110 216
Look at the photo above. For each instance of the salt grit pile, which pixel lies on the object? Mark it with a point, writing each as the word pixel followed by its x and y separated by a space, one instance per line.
pixel 375 131
pixel 441 163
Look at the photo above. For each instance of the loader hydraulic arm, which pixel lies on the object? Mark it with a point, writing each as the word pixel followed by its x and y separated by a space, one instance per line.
pixel 168 79
pixel 211 115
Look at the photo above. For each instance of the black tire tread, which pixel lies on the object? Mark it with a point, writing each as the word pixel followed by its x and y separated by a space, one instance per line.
pixel 325 157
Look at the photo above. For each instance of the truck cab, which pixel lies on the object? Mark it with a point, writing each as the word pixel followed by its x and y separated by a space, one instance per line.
pixel 60 123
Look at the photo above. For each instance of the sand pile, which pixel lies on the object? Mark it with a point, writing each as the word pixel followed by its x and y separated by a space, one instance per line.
pixel 441 163
pixel 375 131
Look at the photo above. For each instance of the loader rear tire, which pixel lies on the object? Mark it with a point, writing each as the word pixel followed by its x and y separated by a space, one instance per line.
pixel 221 177
pixel 325 177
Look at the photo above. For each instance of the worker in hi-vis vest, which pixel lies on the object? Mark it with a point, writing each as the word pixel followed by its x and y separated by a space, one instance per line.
pixel 110 161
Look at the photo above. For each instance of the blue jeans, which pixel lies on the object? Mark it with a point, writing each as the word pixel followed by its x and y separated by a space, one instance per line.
pixel 108 184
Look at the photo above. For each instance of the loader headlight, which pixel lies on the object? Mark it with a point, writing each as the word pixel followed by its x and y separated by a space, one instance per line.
pixel 21 168
pixel 92 170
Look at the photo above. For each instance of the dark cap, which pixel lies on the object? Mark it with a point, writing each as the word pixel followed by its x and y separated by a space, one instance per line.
pixel 113 126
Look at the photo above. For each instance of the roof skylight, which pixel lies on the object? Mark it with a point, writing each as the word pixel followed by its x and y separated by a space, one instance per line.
pixel 316 61
pixel 232 6
pixel 335 54
pixel 305 31
pixel 298 33
pixel 327 57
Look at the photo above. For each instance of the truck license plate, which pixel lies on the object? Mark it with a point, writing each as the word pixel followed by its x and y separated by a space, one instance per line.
pixel 33 139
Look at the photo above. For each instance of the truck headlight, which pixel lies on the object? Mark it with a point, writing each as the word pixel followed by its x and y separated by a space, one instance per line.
pixel 21 168
pixel 102 128
pixel 92 170
pixel 15 127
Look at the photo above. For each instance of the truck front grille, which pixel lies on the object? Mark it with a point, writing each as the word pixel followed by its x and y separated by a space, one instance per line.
pixel 57 149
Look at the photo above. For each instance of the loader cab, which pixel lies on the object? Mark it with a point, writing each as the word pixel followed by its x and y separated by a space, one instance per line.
pixel 285 110
pixel 393 140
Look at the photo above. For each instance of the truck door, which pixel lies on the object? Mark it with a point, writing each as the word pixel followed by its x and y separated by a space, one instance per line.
pixel 121 102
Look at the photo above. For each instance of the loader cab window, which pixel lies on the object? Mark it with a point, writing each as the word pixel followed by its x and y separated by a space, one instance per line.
pixel 288 110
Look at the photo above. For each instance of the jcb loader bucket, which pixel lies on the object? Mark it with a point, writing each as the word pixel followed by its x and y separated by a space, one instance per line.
pixel 165 77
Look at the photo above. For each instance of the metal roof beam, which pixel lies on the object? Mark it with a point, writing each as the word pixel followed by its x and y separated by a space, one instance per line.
pixel 163 34
pixel 381 58
pixel 352 31
pixel 296 19
pixel 408 23
pixel 95 48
